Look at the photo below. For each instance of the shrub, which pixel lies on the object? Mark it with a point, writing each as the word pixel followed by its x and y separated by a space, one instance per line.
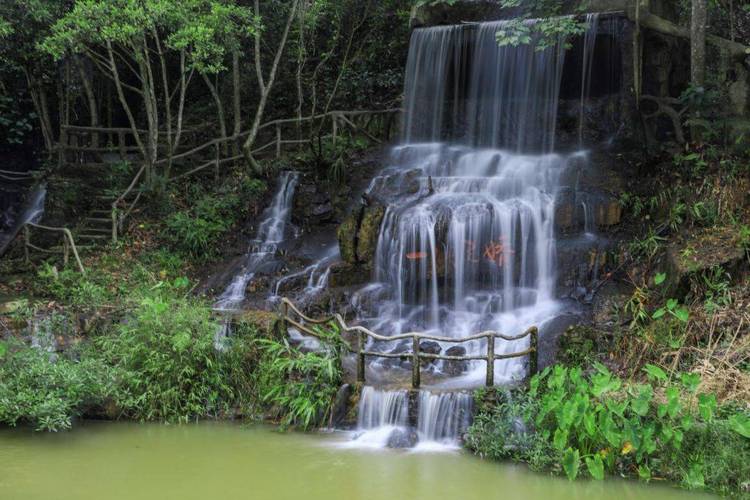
pixel 170 368
pixel 595 422
pixel 300 386
pixel 47 390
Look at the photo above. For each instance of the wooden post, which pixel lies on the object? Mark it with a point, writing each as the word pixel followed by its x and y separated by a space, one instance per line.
pixel 334 130
pixel 27 241
pixel 361 342
pixel 114 223
pixel 490 360
pixel 284 315
pixel 66 250
pixel 534 355
pixel 121 141
pixel 415 382
pixel 217 157
pixel 278 141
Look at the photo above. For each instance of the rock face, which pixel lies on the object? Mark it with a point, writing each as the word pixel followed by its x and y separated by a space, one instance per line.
pixel 263 322
pixel 340 408
pixel 358 235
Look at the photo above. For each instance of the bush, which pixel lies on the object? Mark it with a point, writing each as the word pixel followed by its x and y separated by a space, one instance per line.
pixel 571 421
pixel 47 390
pixel 169 365
pixel 300 386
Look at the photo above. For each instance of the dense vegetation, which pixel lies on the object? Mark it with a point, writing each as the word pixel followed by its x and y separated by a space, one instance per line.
pixel 658 387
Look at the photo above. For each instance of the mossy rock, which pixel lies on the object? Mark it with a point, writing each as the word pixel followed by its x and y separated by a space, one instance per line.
pixel 345 274
pixel 347 236
pixel 259 323
pixel 369 231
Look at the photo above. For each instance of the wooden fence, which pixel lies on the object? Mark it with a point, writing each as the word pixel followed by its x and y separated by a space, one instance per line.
pixel 296 318
pixel 68 244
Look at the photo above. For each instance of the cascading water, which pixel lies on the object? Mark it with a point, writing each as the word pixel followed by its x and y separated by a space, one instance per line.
pixel 263 248
pixel 32 211
pixel 467 243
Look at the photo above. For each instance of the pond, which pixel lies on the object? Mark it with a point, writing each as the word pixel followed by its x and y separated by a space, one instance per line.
pixel 221 460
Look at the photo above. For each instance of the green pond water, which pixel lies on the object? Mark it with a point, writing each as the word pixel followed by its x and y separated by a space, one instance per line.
pixel 225 461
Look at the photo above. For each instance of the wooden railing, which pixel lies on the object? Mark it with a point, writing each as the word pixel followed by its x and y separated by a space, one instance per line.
pixel 68 246
pixel 339 121
pixel 290 312
pixel 87 139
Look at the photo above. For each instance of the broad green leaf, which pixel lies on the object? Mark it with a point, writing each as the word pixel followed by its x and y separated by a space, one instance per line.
pixel 654 372
pixel 595 467
pixel 659 313
pixel 561 439
pixel 640 404
pixel 693 478
pixel 570 462
pixel 673 401
pixel 682 314
pixel 740 424
pixel 644 472
pixel 691 381
pixel 659 278
pixel 706 406
pixel 671 304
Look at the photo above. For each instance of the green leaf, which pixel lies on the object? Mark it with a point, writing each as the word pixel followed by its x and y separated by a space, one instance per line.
pixel 570 462
pixel 560 439
pixel 706 406
pixel 690 381
pixel 682 314
pixel 644 472
pixel 740 424
pixel 641 403
pixel 659 313
pixel 659 278
pixel 654 372
pixel 693 478
pixel 671 304
pixel 595 467
pixel 3 349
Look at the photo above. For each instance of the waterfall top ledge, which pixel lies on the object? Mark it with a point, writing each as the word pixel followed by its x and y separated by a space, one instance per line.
pixel 463 11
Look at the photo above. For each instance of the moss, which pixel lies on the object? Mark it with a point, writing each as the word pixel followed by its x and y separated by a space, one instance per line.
pixel 347 236
pixel 259 323
pixel 369 230
pixel 578 345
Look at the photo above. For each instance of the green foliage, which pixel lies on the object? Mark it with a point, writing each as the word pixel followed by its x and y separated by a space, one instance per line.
pixel 196 230
pixel 169 367
pixel 648 246
pixel 599 423
pixel 300 385
pixel 545 32
pixel 48 391
pixel 72 287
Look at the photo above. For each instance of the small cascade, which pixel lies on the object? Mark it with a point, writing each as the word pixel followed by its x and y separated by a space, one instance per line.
pixel 443 416
pixel 263 248
pixel 312 280
pixel 384 418
pixel 32 211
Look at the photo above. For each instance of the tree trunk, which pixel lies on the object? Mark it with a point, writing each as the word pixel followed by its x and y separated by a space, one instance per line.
pixel 698 43
pixel 219 108
pixel 237 112
pixel 90 98
pixel 265 87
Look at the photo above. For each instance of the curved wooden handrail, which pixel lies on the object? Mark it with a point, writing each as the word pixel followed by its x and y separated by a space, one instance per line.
pixel 67 235
pixel 416 337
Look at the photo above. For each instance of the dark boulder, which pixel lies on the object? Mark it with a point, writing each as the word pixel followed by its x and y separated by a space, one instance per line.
pixel 403 438
pixel 452 367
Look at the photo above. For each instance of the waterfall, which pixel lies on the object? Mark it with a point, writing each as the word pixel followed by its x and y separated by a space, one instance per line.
pixel 32 211
pixel 468 241
pixel 263 248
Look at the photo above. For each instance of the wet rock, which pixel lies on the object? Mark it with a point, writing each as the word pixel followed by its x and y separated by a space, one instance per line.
pixel 608 213
pixel 403 438
pixel 368 233
pixel 347 274
pixel 347 235
pixel 455 368
pixel 340 408
pixel 550 333
pixel 256 322
pixel 312 203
